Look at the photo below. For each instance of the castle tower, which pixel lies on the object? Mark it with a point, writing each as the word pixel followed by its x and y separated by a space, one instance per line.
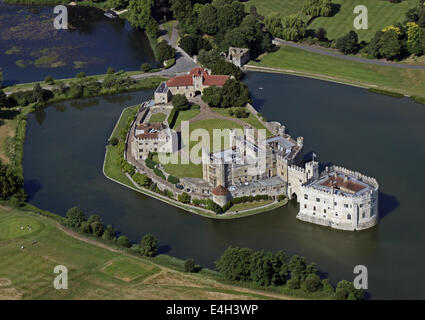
pixel 312 170
pixel 198 81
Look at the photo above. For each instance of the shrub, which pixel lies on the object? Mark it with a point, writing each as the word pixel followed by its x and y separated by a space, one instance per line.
pixel 312 283
pixel 150 163
pixel 113 141
pixel 189 265
pixel 159 173
pixel 349 43
pixel 49 80
pixel 180 101
pixel 173 179
pixel 81 75
pixel 123 242
pixel 184 198
pixel 142 180
pixel 110 70
pixel 145 67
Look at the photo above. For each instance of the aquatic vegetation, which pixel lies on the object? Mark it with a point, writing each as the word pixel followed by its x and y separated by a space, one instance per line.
pixel 13 50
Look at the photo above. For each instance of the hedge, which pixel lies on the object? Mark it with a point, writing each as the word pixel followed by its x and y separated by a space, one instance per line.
pixel 172 118
pixel 173 179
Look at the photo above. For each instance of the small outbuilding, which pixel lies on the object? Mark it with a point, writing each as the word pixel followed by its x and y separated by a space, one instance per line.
pixel 221 195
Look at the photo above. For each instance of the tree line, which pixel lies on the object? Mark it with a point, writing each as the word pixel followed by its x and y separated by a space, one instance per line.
pixel 269 269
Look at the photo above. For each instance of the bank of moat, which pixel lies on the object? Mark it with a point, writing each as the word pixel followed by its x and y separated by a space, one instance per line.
pixel 255 164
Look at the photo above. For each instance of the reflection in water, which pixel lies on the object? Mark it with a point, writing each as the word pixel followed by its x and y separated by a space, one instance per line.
pixel 378 135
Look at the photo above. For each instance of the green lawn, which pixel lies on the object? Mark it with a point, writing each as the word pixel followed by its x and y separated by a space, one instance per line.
pixel 93 272
pixel 406 81
pixel 252 120
pixel 249 205
pixel 126 270
pixel 157 117
pixel 285 7
pixel 190 170
pixel 186 115
pixel 16 227
pixel 381 14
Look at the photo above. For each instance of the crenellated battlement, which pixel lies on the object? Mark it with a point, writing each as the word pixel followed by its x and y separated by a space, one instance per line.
pixel 359 176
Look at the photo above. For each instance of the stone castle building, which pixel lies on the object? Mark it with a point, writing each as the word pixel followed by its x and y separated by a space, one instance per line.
pixel 191 85
pixel 337 197
pixel 238 56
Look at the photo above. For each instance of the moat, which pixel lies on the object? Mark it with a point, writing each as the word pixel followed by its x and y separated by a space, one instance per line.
pixel 377 135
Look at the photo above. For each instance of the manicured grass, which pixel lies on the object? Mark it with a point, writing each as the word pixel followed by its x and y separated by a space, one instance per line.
pixel 168 26
pixel 190 170
pixel 252 120
pixel 16 227
pixel 249 205
pixel 126 270
pixel 186 115
pixel 288 59
pixel 210 125
pixel 93 272
pixel 157 117
pixel 285 7
pixel 381 14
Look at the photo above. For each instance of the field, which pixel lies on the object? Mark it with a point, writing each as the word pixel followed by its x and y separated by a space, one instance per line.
pixel 95 271
pixel 381 14
pixel 186 115
pixel 295 61
pixel 249 205
pixel 285 7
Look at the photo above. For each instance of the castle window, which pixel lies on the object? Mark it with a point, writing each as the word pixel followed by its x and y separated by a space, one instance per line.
pixel 336 214
pixel 348 216
pixel 345 205
pixel 364 215
pixel 335 204
pixel 306 196
pixel 314 208
pixel 324 210
pixel 314 213
pixel 305 206
pixel 317 200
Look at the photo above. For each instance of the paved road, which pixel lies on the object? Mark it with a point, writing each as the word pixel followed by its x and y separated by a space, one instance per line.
pixel 350 58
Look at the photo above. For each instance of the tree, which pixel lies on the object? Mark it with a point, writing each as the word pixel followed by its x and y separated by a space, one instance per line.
pixel 145 67
pixel 189 265
pixel 179 101
pixel 85 227
pixel 10 183
pixel 261 268
pixel 317 8
pixel 110 70
pixel 235 264
pixel 208 19
pixel 149 246
pixel 184 198
pixel 345 290
pixel 123 242
pixel 81 75
pixel 415 38
pixel 3 99
pixel 208 58
pixel 165 51
pixel 297 266
pixel 349 43
pixel 38 93
pixel 389 45
pixel 235 94
pixel 113 141
pixel 140 13
pixel 312 283
pixel 294 28
pixel 229 16
pixel 222 66
pixel 75 217
pixel 109 233
pixel 49 80
pixel 96 228
pixel 213 96
pixel 321 34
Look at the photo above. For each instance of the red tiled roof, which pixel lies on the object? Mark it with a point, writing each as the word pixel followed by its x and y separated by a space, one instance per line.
pixel 340 183
pixel 187 80
pixel 220 191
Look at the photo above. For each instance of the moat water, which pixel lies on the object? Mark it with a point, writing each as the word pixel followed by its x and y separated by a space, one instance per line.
pixel 377 135
pixel 31 48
